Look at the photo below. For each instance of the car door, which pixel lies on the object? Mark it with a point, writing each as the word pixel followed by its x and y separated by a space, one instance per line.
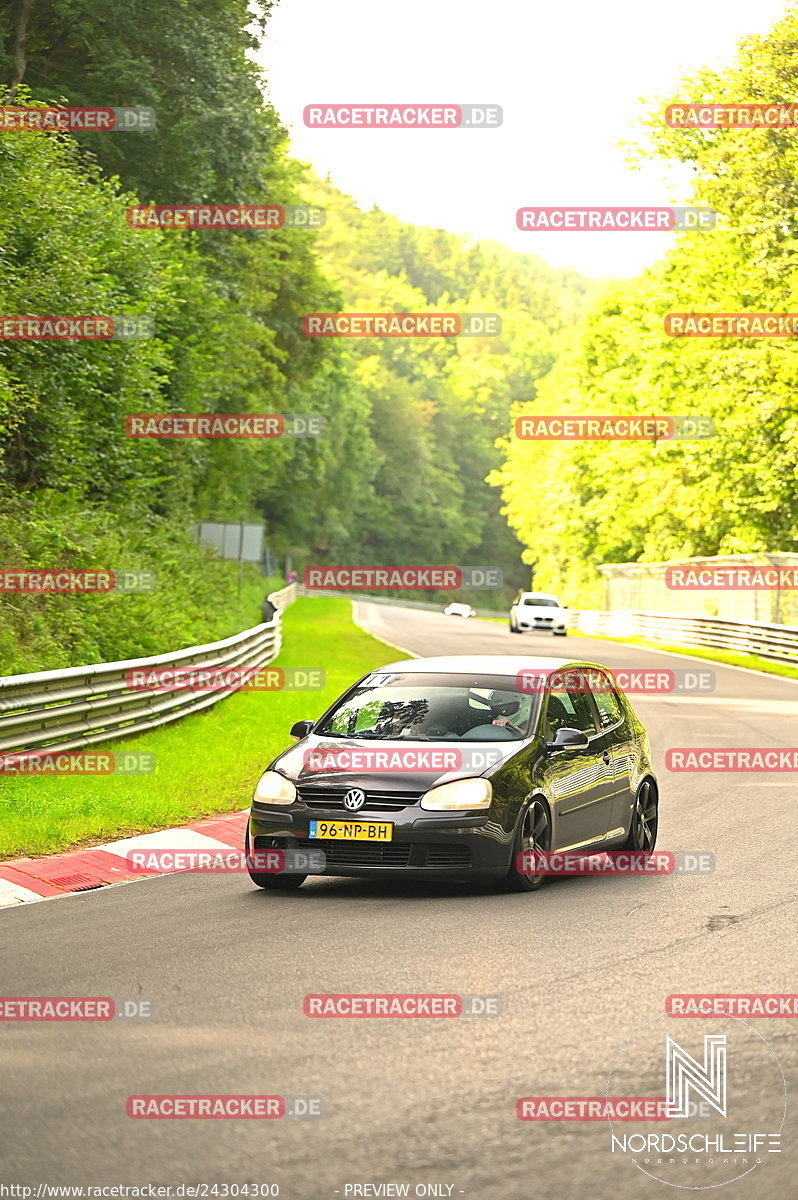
pixel 579 780
pixel 614 723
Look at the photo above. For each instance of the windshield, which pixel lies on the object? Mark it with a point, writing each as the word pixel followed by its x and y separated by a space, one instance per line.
pixel 419 708
pixel 543 601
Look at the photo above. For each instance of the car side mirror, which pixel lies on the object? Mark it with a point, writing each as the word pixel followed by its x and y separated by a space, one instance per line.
pixel 301 729
pixel 574 739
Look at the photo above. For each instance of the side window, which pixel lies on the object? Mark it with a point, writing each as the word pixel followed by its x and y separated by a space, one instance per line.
pixel 340 722
pixel 568 705
pixel 607 703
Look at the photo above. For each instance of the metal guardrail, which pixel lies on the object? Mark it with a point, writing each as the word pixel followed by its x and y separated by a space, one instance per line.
pixel 779 643
pixel 76 707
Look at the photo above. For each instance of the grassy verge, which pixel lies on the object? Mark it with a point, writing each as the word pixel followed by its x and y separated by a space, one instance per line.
pixel 205 764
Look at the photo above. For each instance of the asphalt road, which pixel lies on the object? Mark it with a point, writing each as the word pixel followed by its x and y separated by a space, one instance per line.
pixel 579 965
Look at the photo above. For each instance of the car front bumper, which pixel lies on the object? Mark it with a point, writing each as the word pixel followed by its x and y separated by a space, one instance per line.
pixel 425 844
pixel 540 627
pixel 547 624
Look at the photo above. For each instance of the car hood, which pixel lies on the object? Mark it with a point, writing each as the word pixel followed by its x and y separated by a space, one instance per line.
pixel 400 766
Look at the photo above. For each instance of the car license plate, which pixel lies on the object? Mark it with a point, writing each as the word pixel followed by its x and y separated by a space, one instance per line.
pixel 352 831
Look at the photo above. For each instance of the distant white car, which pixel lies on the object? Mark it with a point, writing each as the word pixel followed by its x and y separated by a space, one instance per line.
pixel 455 609
pixel 538 610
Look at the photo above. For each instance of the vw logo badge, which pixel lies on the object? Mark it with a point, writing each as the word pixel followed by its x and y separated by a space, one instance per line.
pixel 354 799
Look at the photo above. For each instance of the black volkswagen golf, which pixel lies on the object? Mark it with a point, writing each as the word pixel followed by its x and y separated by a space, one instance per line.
pixel 453 767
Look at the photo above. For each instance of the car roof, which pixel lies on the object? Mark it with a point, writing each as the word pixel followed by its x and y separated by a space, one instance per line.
pixel 551 595
pixel 484 664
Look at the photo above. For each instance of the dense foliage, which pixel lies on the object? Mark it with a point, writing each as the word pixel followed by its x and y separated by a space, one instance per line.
pixel 414 429
pixel 410 426
pixel 736 492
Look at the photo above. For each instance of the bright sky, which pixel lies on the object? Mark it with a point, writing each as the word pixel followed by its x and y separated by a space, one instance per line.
pixel 568 74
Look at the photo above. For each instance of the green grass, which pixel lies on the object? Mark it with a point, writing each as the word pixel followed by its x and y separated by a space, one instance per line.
pixel 206 764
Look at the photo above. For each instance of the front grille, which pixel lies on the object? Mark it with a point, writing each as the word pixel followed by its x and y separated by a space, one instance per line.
pixel 389 854
pixel 448 857
pixel 333 798
pixel 360 854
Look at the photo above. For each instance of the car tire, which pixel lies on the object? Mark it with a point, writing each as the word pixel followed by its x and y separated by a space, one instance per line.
pixel 645 819
pixel 533 833
pixel 559 632
pixel 513 628
pixel 271 882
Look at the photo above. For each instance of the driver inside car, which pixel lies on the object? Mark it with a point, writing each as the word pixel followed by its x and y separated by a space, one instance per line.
pixel 514 713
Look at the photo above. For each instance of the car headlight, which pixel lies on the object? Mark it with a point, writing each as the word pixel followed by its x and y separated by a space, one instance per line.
pixel 461 793
pixel 274 788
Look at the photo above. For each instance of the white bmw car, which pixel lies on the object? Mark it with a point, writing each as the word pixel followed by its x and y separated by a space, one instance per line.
pixel 538 610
